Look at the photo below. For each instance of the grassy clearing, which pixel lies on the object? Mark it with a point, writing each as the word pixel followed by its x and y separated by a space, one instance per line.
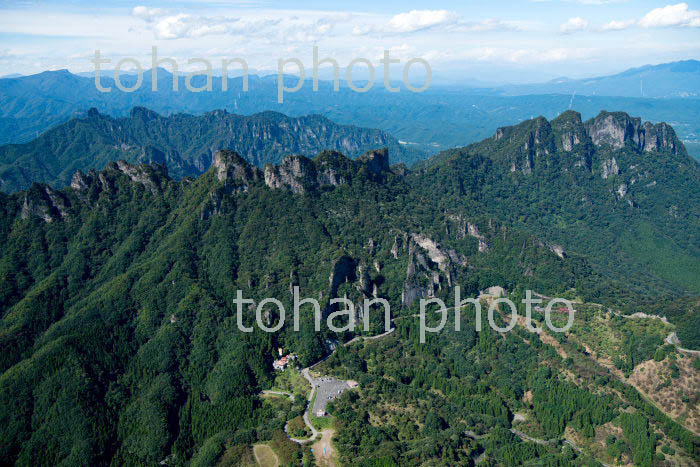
pixel 240 455
pixel 291 380
pixel 265 456
pixel 322 423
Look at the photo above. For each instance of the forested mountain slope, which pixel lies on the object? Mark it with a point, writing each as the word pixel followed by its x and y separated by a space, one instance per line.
pixel 185 143
pixel 623 193
pixel 117 293
pixel 118 335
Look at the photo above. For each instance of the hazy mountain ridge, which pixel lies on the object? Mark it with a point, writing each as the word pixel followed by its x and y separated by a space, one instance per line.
pixel 668 80
pixel 440 118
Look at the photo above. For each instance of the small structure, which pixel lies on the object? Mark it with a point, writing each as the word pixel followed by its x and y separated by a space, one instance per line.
pixel 321 413
pixel 283 362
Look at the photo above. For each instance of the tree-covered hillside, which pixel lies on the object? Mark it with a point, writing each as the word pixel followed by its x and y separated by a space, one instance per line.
pixel 623 193
pixel 119 342
pixel 441 117
pixel 185 143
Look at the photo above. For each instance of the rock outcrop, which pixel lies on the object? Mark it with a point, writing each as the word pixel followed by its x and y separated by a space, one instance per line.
pixel 329 169
pixel 232 168
pixel 529 144
pixel 609 168
pixel 617 129
pixel 376 161
pixel 149 176
pixel 44 202
pixel 297 173
pixel 430 268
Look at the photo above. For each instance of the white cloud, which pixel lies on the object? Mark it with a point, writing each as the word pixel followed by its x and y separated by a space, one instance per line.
pixel 671 15
pixel 185 25
pixel 418 20
pixel 573 25
pixel 435 20
pixel 147 14
pixel 528 56
pixel 488 25
pixel 618 25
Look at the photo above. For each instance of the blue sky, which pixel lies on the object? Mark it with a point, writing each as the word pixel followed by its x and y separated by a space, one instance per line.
pixel 489 41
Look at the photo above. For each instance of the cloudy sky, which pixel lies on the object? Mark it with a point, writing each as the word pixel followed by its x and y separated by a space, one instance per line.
pixel 494 41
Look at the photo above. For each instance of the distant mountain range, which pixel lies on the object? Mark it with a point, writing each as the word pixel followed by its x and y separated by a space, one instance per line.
pixel 668 80
pixel 440 118
pixel 185 143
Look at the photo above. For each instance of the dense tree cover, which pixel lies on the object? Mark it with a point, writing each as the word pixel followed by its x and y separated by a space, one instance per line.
pixel 639 227
pixel 185 143
pixel 453 399
pixel 118 315
pixel 559 403
pixel 640 438
pixel 119 340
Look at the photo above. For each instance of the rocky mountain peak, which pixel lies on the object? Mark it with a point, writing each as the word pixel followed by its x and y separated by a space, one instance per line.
pixel 80 181
pixel 617 129
pixel 570 129
pixel 330 168
pixel 143 113
pixel 528 144
pixel 44 202
pixel 150 176
pixel 298 173
pixel 229 166
pixel 377 161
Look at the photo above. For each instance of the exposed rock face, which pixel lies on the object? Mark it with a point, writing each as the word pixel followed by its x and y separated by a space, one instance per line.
pixel 609 168
pixel 231 167
pixel 81 182
pixel 613 129
pixel 376 161
pixel 618 129
pixel 580 145
pixel 474 232
pixel 572 137
pixel 297 173
pixel 330 168
pixel 434 252
pixel 660 137
pixel 622 190
pixel 45 203
pixel 534 141
pixel 557 250
pixel 429 268
pixel 398 243
pixel 148 175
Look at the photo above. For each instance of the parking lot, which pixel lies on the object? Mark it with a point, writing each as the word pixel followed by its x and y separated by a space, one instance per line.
pixel 328 389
